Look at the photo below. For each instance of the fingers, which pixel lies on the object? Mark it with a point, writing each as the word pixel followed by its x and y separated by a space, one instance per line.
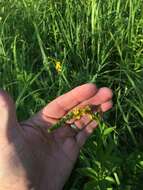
pixel 7 114
pixel 103 108
pixel 80 96
pixel 82 122
pixel 106 106
pixel 102 99
pixel 61 105
pixel 103 95
pixel 85 133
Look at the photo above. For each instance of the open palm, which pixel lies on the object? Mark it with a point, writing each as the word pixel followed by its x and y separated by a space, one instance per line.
pixel 30 157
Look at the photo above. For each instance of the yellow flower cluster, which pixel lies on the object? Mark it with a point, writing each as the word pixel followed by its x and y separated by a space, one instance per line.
pixel 76 113
pixel 58 66
pixel 79 112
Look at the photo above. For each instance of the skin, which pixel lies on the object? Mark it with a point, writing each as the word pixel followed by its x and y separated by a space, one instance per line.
pixel 30 158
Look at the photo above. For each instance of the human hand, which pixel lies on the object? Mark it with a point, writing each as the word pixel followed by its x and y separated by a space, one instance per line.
pixel 30 157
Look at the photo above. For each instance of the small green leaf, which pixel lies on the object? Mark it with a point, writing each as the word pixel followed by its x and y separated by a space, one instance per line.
pixel 141 163
pixel 88 172
pixel 117 178
pixel 110 179
pixel 108 131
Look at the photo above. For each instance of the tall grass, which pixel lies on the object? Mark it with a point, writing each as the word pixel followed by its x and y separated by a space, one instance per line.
pixel 97 41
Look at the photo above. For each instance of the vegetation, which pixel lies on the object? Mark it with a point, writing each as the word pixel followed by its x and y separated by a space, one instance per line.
pixel 47 47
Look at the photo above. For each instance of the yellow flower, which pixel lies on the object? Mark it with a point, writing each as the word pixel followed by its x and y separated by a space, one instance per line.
pixel 90 116
pixel 58 66
pixel 77 113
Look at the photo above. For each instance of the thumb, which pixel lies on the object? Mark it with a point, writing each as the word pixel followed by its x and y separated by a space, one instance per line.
pixel 8 119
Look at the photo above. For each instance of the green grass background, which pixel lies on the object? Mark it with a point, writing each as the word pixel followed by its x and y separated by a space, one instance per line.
pixel 99 41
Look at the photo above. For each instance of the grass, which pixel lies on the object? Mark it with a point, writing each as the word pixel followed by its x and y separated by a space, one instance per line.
pixel 97 41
